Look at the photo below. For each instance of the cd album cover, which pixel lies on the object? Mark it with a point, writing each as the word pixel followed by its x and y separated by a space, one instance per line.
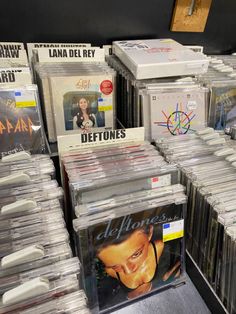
pixel 82 104
pixel 20 121
pixel 177 113
pixel 223 107
pixel 135 254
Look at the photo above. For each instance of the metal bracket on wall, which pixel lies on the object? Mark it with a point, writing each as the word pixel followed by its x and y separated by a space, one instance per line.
pixel 190 15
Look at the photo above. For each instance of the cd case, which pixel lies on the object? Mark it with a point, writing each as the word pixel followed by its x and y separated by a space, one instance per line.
pixel 131 251
pixel 20 121
pixel 77 97
pixel 70 103
pixel 159 58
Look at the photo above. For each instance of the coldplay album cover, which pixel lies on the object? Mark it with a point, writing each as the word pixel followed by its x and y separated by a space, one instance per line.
pixel 177 113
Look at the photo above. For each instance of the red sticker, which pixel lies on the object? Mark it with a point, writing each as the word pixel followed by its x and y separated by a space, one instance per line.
pixel 106 87
pixel 155 180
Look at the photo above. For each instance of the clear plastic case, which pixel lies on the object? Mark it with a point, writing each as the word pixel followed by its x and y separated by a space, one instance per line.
pixel 96 233
pixel 55 193
pixel 37 187
pixel 33 257
pixel 32 230
pixel 42 166
pixel 54 215
pixel 21 119
pixel 126 199
pixel 53 237
pixel 128 182
pixel 71 303
pixel 35 206
pixel 58 270
pixel 92 82
pixel 27 172
pixel 49 291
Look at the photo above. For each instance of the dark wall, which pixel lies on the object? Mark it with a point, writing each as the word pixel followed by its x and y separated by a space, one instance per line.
pixel 101 21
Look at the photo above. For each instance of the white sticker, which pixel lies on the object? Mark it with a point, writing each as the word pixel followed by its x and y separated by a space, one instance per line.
pixel 157 182
pixel 192 105
pixel 85 54
pixel 35 46
pixel 72 142
pixel 173 230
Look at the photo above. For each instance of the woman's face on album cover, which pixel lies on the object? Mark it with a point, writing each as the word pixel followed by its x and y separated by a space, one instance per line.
pixel 83 104
pixel 128 256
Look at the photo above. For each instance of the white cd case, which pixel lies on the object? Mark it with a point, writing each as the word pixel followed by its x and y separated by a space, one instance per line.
pixel 159 58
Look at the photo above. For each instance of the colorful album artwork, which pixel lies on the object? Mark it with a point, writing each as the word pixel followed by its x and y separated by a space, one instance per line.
pixel 177 113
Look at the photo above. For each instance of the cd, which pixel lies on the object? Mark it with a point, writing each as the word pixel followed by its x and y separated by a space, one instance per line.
pixel 20 122
pixel 133 254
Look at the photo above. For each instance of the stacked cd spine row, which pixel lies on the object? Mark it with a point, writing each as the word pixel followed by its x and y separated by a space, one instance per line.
pixel 38 273
pixel 207 164
pixel 128 211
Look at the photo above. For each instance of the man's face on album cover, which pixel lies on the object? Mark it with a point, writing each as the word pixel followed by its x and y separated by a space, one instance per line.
pixel 127 257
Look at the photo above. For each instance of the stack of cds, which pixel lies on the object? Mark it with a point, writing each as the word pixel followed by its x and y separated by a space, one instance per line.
pixel 76 97
pixel 207 163
pixel 37 271
pixel 165 107
pixel 130 221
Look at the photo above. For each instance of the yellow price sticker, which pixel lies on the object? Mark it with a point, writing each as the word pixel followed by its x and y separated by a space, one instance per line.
pixel 104 108
pixel 24 104
pixel 173 236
